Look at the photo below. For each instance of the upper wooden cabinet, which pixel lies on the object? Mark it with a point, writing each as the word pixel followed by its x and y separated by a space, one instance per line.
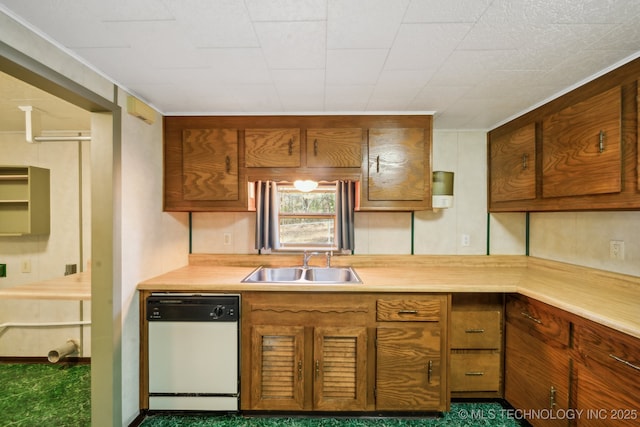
pixel 513 165
pixel 210 164
pixel 586 150
pixel 336 148
pixel 398 169
pixel 266 148
pixel 582 147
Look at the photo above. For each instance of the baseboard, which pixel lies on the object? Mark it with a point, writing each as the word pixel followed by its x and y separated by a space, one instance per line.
pixel 44 360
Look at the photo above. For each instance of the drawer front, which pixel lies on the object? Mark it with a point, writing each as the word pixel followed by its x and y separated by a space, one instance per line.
pixel 540 320
pixel 406 310
pixel 476 329
pixel 611 348
pixel 475 372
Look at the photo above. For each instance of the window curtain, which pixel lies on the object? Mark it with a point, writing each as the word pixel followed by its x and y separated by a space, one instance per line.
pixel 346 203
pixel 266 215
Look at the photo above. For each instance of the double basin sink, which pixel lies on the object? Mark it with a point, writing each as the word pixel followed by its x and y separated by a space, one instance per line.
pixel 325 275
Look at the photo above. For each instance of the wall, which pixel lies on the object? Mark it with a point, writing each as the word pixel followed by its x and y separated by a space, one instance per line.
pixel 68 243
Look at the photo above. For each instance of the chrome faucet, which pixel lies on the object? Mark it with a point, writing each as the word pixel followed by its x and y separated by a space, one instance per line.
pixel 305 258
pixel 329 255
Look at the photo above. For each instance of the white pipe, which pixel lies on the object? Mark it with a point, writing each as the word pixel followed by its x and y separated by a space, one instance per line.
pixel 61 138
pixel 43 324
pixel 70 347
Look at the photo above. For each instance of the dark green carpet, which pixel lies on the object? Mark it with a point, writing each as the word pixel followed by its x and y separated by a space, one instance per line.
pixel 45 395
pixel 461 415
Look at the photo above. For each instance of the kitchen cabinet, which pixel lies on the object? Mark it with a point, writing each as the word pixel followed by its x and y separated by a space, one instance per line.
pixel 607 372
pixel 537 359
pixel 476 345
pixel 398 169
pixel 513 165
pixel 266 148
pixel 24 200
pixel 334 148
pixel 587 155
pixel 582 147
pixel 305 357
pixel 202 169
pixel 411 371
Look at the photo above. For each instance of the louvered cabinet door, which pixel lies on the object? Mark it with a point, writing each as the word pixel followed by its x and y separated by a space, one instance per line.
pixel 340 368
pixel 277 371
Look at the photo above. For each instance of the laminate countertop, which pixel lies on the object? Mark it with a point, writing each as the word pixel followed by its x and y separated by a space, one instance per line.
pixel 607 298
pixel 72 287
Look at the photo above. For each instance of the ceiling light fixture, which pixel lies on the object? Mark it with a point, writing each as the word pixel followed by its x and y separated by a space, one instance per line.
pixel 305 185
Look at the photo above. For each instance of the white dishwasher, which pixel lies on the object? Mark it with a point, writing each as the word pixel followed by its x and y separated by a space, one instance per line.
pixel 193 351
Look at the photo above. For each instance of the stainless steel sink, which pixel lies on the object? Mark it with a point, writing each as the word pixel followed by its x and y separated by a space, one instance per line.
pixel 302 275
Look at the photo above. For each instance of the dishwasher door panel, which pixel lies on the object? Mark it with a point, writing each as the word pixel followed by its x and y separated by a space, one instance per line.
pixel 193 357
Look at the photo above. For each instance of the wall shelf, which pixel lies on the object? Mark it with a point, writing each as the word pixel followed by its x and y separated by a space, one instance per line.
pixel 24 200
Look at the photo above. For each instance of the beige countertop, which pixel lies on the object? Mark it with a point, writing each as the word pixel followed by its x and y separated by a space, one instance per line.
pixel 607 298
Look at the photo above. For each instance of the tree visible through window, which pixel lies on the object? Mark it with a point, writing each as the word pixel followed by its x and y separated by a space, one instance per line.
pixel 307 219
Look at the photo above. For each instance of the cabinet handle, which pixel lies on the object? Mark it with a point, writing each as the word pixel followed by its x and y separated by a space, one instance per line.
pixel 626 362
pixel 474 374
pixel 227 164
pixel 530 317
pixel 474 331
pixel 601 141
pixel 552 397
pixel 315 147
pixel 525 159
pixel 317 369
pixel 407 311
pixel 299 370
pixel 429 371
pixel 290 146
pixel 377 164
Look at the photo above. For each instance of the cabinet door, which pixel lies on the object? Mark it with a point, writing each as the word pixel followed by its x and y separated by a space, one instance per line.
pixel 536 376
pixel 513 165
pixel 396 164
pixel 210 164
pixel 340 368
pixel 277 370
pixel 267 148
pixel 582 148
pixel 337 148
pixel 408 371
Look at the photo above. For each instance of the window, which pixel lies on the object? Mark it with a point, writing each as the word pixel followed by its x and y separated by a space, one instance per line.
pixel 307 219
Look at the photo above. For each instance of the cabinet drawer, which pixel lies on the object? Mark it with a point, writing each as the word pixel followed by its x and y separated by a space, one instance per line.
pixel 609 347
pixel 475 371
pixel 538 319
pixel 476 329
pixel 406 310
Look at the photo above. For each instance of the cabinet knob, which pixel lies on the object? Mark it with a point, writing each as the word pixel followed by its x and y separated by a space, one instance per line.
pixel 429 371
pixel 601 141
pixel 315 147
pixel 474 331
pixel 525 160
pixel 299 370
pixel 317 369
pixel 290 146
pixel 227 164
pixel 530 317
pixel 552 397
pixel 625 362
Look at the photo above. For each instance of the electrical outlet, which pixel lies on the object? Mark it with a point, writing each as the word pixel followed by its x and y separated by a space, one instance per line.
pixel 25 266
pixel 466 240
pixel 616 250
pixel 227 239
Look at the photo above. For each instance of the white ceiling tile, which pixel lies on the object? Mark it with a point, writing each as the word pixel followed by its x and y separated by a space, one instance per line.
pixel 347 97
pixel 354 66
pixel 424 46
pixel 301 90
pixel 295 45
pixel 363 24
pixel 287 10
pixel 437 98
pixel 445 11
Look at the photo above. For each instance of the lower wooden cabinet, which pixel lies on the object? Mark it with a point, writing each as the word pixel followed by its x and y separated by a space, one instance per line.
pixel 607 376
pixel 359 352
pixel 476 345
pixel 411 372
pixel 537 363
pixel 337 368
